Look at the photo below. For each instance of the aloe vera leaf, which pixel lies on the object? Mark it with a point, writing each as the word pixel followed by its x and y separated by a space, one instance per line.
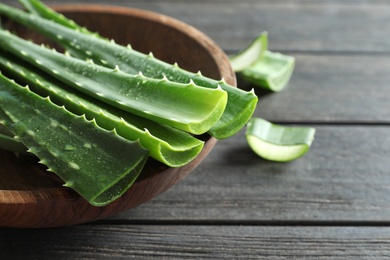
pixel 9 143
pixel 251 54
pixel 278 143
pixel 184 106
pixel 4 130
pixel 39 8
pixel 168 145
pixel 96 163
pixel 272 72
pixel 241 104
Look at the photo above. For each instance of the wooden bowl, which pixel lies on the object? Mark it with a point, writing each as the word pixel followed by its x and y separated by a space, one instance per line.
pixel 31 197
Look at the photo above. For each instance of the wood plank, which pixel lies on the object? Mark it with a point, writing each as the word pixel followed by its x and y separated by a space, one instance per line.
pixel 292 25
pixel 331 88
pixel 344 177
pixel 196 242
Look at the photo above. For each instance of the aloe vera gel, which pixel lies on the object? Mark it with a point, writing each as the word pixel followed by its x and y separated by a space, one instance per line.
pixel 262 67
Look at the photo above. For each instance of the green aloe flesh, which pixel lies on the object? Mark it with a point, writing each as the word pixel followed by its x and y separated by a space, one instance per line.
pixel 240 106
pixel 251 54
pixel 273 71
pixel 184 106
pixel 168 145
pixel 98 164
pixel 278 143
pixel 262 67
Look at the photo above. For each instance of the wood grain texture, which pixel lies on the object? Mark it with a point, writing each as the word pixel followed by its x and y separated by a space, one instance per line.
pixel 196 242
pixel 331 204
pixel 325 87
pixel 351 26
pixel 331 89
pixel 344 177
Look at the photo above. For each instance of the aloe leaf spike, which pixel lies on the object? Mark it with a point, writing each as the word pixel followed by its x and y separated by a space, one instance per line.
pixel 240 106
pixel 168 145
pixel 96 163
pixel 184 106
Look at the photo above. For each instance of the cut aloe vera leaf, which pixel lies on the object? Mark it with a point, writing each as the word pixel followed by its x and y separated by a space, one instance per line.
pixel 96 163
pixel 239 109
pixel 278 143
pixel 184 106
pixel 168 145
pixel 273 71
pixel 251 54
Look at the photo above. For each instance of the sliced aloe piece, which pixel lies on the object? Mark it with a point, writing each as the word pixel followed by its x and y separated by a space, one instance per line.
pixel 278 143
pixel 251 54
pixel 273 71
pixel 239 108
pixel 96 163
pixel 168 145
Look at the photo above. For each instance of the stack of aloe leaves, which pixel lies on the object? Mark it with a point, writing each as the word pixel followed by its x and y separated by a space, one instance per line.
pixel 94 114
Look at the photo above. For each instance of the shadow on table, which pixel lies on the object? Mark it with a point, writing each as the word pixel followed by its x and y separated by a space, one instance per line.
pixel 48 243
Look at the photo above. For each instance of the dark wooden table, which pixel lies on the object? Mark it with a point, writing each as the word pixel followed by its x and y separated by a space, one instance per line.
pixel 334 203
